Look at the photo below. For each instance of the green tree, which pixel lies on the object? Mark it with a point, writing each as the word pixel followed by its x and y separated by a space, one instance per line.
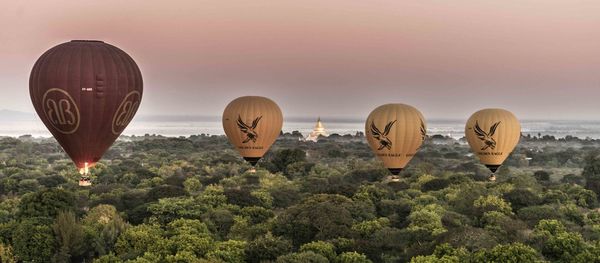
pixel 320 247
pixel 503 227
pixel 69 236
pixel 106 224
pixel 427 219
pixel 219 221
pixel 302 257
pixel 352 257
pixel 556 243
pixel 109 258
pixel 445 253
pixel 33 240
pixel 184 257
pixel 519 198
pixel 434 259
pixel 257 214
pixel 591 173
pixel 572 179
pixel 267 248
pixel 231 251
pixel 192 185
pixel 542 175
pixel 515 253
pixel 8 209
pixel 320 217
pixel 285 157
pixel 46 203
pixel 592 254
pixel 137 240
pixel 213 196
pixel 7 254
pixel 164 191
pixel 582 197
pixel 533 214
pixel 101 214
pixel 368 228
pixel 169 209
pixel 492 203
pixel 190 235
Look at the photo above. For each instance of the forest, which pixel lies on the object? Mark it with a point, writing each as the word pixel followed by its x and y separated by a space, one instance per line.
pixel 193 199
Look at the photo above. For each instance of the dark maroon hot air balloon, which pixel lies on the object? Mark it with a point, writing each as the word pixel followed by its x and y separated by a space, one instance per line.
pixel 85 92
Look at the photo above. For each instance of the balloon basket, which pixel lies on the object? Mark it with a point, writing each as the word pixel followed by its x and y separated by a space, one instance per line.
pixel 85 181
pixel 492 178
pixel 393 179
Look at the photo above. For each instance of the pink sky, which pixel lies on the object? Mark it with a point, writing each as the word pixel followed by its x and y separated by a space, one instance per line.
pixel 540 59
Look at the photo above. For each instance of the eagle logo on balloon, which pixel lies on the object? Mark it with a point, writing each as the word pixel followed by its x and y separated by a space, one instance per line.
pixel 384 141
pixel 486 137
pixel 248 130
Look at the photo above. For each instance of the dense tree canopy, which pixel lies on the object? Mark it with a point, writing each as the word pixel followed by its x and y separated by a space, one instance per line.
pixel 159 199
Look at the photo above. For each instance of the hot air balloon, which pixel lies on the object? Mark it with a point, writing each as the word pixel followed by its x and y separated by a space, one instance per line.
pixel 395 132
pixel 492 135
pixel 252 124
pixel 85 92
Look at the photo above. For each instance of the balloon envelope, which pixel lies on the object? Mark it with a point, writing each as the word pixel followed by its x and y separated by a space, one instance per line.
pixel 492 135
pixel 252 124
pixel 395 132
pixel 85 92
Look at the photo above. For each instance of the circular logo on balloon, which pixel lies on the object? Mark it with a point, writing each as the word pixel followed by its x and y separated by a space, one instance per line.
pixel 125 112
pixel 61 111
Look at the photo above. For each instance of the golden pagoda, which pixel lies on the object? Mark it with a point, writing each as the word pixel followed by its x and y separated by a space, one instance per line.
pixel 319 130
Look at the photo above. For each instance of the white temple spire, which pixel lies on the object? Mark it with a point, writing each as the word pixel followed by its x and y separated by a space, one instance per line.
pixel 319 130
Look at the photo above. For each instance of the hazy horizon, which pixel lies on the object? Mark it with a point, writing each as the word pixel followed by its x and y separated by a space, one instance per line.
pixel 15 124
pixel 539 59
pixel 217 117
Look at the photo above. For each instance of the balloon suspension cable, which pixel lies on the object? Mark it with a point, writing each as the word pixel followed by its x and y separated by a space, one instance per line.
pixel 85 170
pixel 85 178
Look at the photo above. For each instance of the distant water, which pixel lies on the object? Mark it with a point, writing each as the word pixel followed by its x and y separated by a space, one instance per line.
pixel 186 126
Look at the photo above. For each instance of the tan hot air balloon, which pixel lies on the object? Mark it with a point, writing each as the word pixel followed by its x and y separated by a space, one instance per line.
pixel 395 132
pixel 252 124
pixel 492 135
